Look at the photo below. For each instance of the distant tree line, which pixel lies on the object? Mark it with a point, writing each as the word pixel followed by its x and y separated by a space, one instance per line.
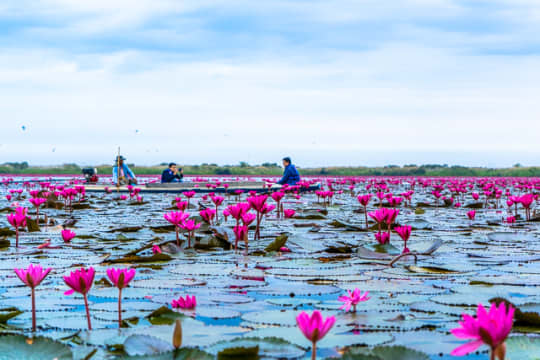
pixel 244 168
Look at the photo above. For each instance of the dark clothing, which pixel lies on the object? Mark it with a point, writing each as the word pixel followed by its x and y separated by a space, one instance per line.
pixel 290 176
pixel 168 176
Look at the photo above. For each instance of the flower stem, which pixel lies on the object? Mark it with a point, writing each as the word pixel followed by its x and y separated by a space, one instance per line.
pixel 119 308
pixel 365 213
pixel 87 311
pixel 314 351
pixel 33 310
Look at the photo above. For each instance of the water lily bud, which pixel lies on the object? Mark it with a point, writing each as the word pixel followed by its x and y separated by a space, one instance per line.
pixel 177 335
pixel 500 351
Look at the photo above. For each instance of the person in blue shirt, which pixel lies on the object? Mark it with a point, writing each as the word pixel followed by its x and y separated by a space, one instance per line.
pixel 290 174
pixel 171 174
pixel 125 175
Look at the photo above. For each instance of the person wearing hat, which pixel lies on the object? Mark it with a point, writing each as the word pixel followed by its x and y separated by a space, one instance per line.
pixel 290 174
pixel 125 176
pixel 172 174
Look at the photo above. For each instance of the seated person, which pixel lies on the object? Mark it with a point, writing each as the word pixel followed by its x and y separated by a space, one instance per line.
pixel 125 176
pixel 171 174
pixel 290 174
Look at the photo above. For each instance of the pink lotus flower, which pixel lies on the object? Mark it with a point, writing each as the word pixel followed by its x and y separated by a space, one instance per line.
pixel 189 195
pixel 156 249
pixel 120 278
pixel 32 277
pixel 289 213
pixel 475 196
pixel 248 218
pixel 17 220
pixel 257 202
pixel 176 218
pixel 284 249
pixel 241 233
pixel 527 200
pixel 490 328
pixel 471 215
pixel 383 238
pixel 379 216
pixel 208 215
pixel 353 298
pixel 391 215
pixel 394 201
pixel 81 281
pixel 364 201
pixel 314 328
pixel 511 220
pixel 217 200
pixel 404 232
pixel 182 205
pixel 277 197
pixel 267 208
pixel 190 302
pixel 68 235
pixel 190 226
pixel 236 211
pixel 8 197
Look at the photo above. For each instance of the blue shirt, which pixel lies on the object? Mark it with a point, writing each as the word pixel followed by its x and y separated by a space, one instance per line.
pixel 290 175
pixel 127 173
pixel 168 176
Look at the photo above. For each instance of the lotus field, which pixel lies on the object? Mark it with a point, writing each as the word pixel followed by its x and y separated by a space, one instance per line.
pixel 368 268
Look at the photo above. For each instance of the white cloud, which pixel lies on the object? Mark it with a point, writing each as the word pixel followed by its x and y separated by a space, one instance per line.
pixel 419 89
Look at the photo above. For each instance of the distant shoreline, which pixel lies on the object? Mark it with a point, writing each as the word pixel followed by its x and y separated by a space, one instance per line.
pixel 244 169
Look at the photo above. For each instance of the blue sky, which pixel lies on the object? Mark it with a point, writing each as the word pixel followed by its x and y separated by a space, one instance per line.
pixel 346 82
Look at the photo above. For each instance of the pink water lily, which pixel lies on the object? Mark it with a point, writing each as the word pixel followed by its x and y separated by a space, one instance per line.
pixel 68 235
pixel 37 202
pixel 405 233
pixel 277 197
pixel 314 328
pixel 217 200
pixel 289 213
pixel 258 203
pixel 17 220
pixel 182 205
pixel 120 278
pixel 176 218
pixel 190 226
pixel 490 328
pixel 241 233
pixel 471 214
pixel 81 281
pixel 187 303
pixel 238 211
pixel 208 215
pixel 248 218
pixel 382 238
pixel 364 201
pixel 32 277
pixel 352 299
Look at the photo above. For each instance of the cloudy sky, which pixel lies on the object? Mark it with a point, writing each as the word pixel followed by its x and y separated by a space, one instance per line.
pixel 348 82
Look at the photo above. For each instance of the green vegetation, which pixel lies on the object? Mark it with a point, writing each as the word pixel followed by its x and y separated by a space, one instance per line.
pixel 244 168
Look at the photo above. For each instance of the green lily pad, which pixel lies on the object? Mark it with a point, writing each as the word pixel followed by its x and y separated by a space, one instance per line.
pixel 21 347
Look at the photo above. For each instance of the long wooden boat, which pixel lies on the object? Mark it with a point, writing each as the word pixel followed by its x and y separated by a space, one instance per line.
pixel 245 186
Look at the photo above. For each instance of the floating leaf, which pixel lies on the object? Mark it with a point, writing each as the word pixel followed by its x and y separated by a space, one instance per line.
pixel 20 347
